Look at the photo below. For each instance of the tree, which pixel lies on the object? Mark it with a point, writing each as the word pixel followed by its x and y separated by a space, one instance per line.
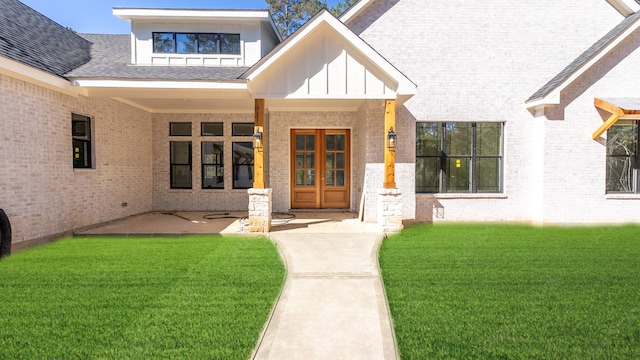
pixel 341 6
pixel 289 15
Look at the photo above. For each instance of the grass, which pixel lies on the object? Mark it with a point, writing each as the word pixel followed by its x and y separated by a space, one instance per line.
pixel 192 297
pixel 514 292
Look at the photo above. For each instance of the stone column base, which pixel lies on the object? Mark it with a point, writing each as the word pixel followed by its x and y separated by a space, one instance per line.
pixel 390 210
pixel 259 210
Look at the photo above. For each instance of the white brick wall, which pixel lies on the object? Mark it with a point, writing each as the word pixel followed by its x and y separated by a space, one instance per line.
pixel 480 61
pixel 39 189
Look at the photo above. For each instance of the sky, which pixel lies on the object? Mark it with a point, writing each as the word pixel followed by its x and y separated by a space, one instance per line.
pixel 95 16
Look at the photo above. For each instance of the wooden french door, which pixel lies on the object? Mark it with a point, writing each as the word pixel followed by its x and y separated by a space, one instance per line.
pixel 320 169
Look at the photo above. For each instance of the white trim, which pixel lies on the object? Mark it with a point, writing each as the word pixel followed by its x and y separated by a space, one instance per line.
pixel 148 84
pixel 628 196
pixel 459 196
pixel 553 98
pixel 625 7
pixel 355 10
pixel 37 77
pixel 129 14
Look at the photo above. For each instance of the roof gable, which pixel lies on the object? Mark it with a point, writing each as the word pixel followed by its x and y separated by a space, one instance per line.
pixel 324 59
pixel 28 37
pixel 550 92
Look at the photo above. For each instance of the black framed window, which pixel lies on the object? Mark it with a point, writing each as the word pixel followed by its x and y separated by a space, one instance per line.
pixel 459 157
pixel 211 129
pixel 164 42
pixel 81 137
pixel 196 43
pixel 242 129
pixel 180 129
pixel 180 163
pixel 212 165
pixel 242 165
pixel 623 147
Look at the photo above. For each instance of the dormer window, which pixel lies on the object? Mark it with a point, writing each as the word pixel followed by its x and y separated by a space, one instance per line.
pixel 196 43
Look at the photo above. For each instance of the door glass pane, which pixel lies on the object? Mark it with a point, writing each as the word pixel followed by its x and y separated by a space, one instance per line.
pixel 330 180
pixel 311 177
pixel 488 176
pixel 299 142
pixel 331 142
pixel 300 177
pixel 340 142
pixel 428 175
pixel 340 178
pixel 311 161
pixel 458 174
pixel 330 162
pixel 311 142
pixel 340 161
pixel 299 160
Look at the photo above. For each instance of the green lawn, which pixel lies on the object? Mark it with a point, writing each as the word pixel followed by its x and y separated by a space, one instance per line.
pixel 192 297
pixel 514 292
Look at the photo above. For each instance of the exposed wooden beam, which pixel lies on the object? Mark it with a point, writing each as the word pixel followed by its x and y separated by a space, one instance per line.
pixel 389 154
pixel 607 124
pixel 607 106
pixel 258 154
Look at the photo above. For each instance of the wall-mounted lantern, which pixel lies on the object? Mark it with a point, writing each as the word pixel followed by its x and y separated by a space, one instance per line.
pixel 392 139
pixel 257 140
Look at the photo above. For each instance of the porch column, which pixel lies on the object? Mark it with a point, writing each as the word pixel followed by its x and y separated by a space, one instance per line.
pixel 260 198
pixel 389 197
pixel 389 153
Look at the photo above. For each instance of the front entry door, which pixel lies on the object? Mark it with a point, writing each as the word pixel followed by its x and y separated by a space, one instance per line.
pixel 320 169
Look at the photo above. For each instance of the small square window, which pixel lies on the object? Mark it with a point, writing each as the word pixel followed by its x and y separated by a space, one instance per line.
pixel 208 43
pixel 164 43
pixel 242 129
pixel 186 43
pixel 212 129
pixel 180 129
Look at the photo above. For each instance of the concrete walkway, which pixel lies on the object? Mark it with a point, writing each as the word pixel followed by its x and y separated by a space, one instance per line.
pixel 332 305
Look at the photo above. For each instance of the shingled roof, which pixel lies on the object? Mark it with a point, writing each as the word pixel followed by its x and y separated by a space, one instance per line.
pixel 28 37
pixel 110 59
pixel 585 57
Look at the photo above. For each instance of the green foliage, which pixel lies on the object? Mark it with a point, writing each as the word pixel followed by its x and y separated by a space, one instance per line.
pixel 490 291
pixel 192 297
pixel 341 6
pixel 289 15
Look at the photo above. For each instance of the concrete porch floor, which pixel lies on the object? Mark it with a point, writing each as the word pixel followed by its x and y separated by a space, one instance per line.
pixel 223 222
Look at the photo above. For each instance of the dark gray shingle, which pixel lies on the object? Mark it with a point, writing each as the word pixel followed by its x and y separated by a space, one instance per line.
pixel 33 39
pixel 110 59
pixel 585 57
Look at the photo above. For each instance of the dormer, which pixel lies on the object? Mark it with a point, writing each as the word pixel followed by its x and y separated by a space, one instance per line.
pixel 187 37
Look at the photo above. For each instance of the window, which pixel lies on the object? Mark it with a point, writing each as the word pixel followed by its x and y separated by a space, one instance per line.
pixel 242 165
pixel 180 129
pixel 460 157
pixel 81 136
pixel 212 165
pixel 196 43
pixel 180 164
pixel 242 129
pixel 622 157
pixel 211 129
